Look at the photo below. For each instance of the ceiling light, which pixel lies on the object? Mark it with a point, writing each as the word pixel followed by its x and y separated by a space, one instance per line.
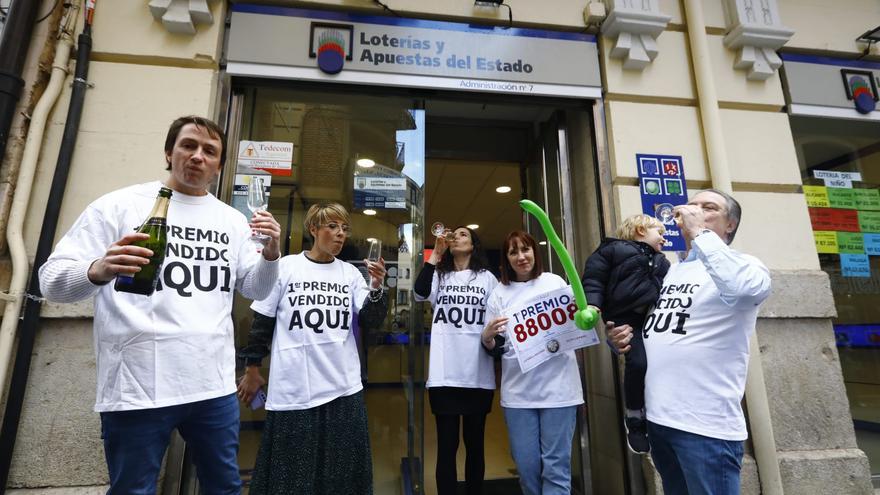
pixel 543 243
pixel 371 239
pixel 502 189
pixel 369 212
pixel 365 162
pixel 473 226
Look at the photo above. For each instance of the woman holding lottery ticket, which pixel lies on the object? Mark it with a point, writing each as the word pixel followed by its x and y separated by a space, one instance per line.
pixel 461 377
pixel 315 438
pixel 539 406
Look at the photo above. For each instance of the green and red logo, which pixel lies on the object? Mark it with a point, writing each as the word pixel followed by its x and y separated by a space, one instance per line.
pixel 331 45
pixel 860 89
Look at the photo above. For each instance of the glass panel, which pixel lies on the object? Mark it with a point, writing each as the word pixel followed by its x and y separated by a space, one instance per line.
pixel 851 146
pixel 366 153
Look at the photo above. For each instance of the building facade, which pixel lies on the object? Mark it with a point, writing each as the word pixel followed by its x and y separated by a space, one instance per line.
pixel 566 103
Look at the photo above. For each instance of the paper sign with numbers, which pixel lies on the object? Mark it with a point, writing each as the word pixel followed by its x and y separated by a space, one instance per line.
pixel 543 327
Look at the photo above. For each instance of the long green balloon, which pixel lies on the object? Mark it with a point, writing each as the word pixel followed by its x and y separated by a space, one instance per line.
pixel 586 317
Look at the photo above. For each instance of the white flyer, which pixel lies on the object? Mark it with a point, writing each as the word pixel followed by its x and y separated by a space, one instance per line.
pixel 544 327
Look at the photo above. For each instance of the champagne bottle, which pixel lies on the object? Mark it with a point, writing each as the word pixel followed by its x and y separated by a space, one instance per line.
pixel 144 281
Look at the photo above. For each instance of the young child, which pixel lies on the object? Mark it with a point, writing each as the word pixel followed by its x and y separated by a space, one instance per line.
pixel 623 278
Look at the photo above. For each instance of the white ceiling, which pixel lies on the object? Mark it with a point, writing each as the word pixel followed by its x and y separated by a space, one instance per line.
pixel 459 192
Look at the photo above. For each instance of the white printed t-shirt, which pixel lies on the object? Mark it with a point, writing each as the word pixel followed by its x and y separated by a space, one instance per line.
pixel 314 352
pixel 176 346
pixel 554 383
pixel 697 340
pixel 457 358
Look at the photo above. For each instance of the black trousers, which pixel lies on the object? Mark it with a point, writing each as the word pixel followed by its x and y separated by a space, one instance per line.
pixel 473 427
pixel 634 370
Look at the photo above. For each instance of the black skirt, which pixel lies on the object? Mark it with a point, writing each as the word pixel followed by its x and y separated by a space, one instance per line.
pixel 322 450
pixel 458 400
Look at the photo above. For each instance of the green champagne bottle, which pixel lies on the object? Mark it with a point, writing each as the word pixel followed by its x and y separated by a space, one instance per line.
pixel 144 281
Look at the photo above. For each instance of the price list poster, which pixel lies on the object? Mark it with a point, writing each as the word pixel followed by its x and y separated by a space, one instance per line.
pixel 845 220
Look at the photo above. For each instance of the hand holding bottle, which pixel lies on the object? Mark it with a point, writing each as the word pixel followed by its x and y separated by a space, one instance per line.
pixel 121 257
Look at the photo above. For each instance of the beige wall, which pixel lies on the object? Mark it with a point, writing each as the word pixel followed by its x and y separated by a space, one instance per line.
pixel 829 26
pixel 657 111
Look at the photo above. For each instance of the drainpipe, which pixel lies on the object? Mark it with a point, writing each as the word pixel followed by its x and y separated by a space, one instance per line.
pixel 15 228
pixel 763 440
pixel 14 46
pixel 27 327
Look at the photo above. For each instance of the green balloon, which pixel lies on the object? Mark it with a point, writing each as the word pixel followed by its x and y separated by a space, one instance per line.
pixel 586 317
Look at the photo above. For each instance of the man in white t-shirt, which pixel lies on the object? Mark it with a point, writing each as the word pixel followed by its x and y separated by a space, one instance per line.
pixel 167 361
pixel 697 342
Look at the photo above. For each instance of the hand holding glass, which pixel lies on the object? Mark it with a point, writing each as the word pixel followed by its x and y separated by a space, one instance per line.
pixel 257 200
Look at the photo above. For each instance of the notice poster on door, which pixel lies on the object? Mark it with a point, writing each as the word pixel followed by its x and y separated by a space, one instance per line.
pixel 384 193
pixel 274 157
pixel 662 188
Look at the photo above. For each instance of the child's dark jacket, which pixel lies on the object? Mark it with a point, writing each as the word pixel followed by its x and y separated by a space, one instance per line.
pixel 623 278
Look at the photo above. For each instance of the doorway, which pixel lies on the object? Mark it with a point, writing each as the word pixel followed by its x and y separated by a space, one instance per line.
pixel 399 161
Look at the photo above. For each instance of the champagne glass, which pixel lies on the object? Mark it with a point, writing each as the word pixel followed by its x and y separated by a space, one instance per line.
pixel 439 230
pixel 373 255
pixel 375 251
pixel 257 200
pixel 665 213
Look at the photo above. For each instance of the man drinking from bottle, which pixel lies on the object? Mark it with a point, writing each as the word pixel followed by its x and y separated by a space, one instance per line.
pixel 167 360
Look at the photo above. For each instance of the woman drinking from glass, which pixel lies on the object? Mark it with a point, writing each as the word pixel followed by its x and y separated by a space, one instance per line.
pixel 461 377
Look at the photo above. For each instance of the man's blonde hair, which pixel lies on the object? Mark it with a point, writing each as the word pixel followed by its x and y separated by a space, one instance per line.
pixel 628 229
pixel 323 213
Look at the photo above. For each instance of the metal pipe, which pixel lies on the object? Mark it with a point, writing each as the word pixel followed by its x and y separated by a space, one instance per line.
pixel 30 322
pixel 763 440
pixel 14 46
pixel 15 228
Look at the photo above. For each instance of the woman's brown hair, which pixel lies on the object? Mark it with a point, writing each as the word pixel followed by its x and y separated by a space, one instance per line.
pixel 507 272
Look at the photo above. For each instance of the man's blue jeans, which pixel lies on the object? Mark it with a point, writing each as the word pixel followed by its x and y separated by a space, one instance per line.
pixel 691 464
pixel 540 442
pixel 135 442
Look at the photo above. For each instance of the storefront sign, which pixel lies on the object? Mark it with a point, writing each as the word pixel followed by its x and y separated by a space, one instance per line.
pixel 857 335
pixel 662 187
pixel 544 327
pixel 834 219
pixel 867 199
pixel 850 242
pixel 380 192
pixel 832 87
pixel 817 196
pixel 841 198
pixel 872 244
pixel 290 43
pixel 272 156
pixel 826 242
pixel 869 221
pixel 837 179
pixel 855 265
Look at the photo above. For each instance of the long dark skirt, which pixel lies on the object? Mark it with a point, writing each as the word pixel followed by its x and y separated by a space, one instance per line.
pixel 322 450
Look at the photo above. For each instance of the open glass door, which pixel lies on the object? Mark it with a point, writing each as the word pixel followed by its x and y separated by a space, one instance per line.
pixel 367 154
